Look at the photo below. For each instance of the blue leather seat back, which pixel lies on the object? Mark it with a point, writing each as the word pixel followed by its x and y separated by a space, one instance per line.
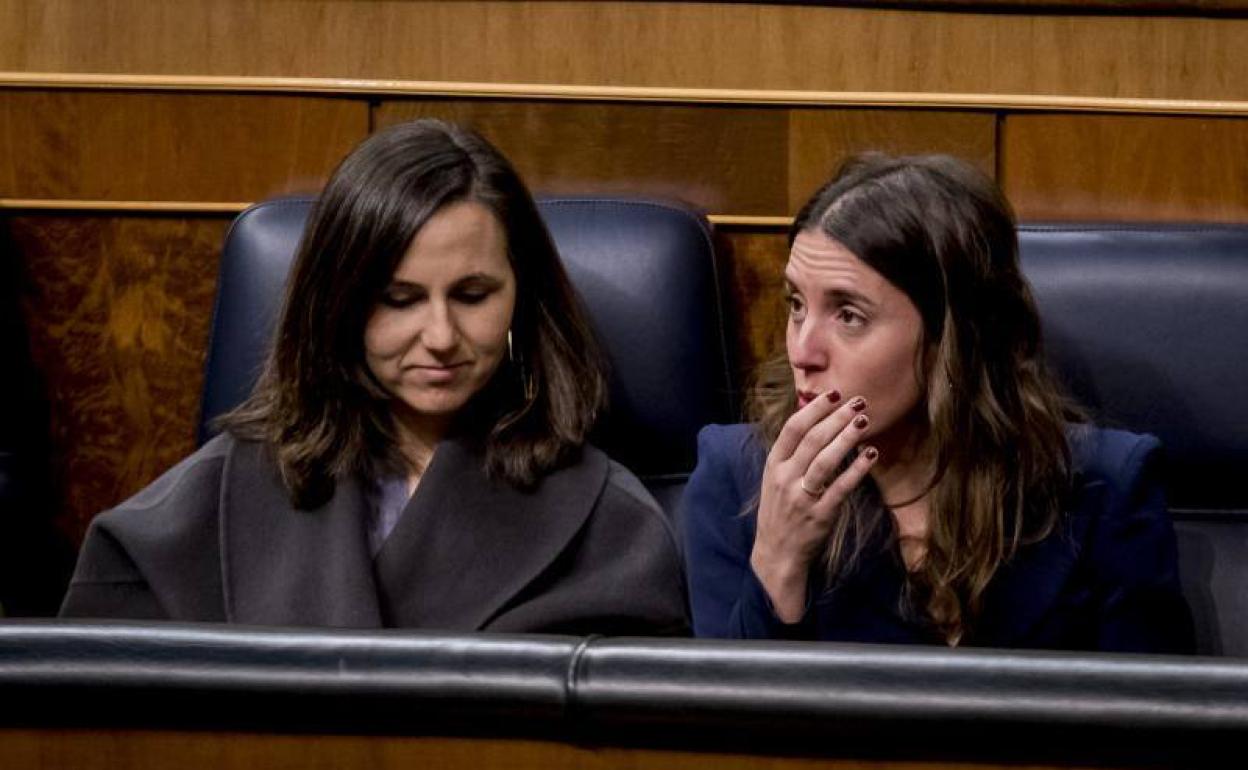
pixel 645 270
pixel 1148 326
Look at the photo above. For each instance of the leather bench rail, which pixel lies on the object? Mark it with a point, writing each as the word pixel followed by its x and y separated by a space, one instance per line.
pixel 621 691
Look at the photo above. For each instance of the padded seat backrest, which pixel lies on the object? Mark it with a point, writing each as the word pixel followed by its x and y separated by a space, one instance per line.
pixel 645 270
pixel 1148 326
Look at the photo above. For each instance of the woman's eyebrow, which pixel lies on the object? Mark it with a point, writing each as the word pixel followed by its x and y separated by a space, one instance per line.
pixel 479 277
pixel 840 296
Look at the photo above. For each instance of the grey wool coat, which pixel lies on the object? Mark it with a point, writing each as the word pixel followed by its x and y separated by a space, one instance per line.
pixel 217 539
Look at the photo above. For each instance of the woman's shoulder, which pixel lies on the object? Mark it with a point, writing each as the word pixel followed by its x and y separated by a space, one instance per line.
pixel 164 529
pixel 1109 456
pixel 624 499
pixel 728 472
pixel 197 472
pixel 738 445
pixel 621 487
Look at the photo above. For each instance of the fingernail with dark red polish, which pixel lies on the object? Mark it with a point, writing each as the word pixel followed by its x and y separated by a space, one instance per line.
pixel 871 453
pixel 860 421
pixel 834 396
pixel 858 404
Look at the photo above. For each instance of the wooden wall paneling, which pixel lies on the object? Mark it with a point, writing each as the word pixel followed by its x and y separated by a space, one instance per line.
pixel 118 310
pixel 1116 167
pixel 49 749
pixel 819 139
pixel 682 44
pixel 728 160
pixel 172 147
pixel 754 258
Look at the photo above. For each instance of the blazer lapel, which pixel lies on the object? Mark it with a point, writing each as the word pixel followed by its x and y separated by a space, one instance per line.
pixel 466 545
pixel 282 566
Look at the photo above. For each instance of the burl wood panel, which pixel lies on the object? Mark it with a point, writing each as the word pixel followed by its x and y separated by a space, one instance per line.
pixel 118 310
pixel 755 258
pixel 27 749
pixel 689 44
pixel 171 147
pixel 1115 167
pixel 761 161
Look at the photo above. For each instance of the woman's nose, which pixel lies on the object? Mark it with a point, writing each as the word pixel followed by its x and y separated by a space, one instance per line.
pixel 440 333
pixel 806 348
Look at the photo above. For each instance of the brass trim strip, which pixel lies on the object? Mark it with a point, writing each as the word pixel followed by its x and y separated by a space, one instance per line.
pixel 792 98
pixel 214 207
pixel 176 207
pixel 737 220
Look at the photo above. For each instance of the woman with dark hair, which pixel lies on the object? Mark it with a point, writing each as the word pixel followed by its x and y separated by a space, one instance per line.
pixel 912 473
pixel 414 453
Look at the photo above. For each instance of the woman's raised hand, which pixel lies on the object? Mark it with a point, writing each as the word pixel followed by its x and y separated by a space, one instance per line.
pixel 800 492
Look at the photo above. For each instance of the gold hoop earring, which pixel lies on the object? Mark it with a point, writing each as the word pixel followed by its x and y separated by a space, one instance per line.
pixel 511 352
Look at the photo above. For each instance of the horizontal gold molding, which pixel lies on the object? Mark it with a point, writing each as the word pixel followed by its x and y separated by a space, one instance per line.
pixel 278 85
pixel 209 207
pixel 735 220
pixel 173 207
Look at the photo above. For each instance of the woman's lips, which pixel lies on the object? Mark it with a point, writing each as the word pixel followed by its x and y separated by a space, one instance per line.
pixel 437 374
pixel 804 397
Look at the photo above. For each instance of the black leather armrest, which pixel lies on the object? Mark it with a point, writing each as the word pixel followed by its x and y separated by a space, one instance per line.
pixel 771 698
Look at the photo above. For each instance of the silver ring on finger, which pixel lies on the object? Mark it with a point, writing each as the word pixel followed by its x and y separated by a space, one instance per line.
pixel 816 492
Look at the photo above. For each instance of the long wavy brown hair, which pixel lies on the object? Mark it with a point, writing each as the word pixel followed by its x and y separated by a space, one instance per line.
pixel 317 405
pixel 994 418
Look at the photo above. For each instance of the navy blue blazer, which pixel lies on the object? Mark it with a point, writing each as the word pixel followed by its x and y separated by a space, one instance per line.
pixel 1105 579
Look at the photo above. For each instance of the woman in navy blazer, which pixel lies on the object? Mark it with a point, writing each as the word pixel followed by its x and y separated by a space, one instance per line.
pixel 911 473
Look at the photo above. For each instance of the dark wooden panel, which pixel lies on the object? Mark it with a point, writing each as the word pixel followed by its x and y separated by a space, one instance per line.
pixel 820 138
pixel 118 310
pixel 175 147
pixel 1120 167
pixel 755 258
pixel 29 749
pixel 724 159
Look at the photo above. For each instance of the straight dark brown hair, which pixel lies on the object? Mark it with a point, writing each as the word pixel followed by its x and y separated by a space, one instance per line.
pixel 942 233
pixel 317 405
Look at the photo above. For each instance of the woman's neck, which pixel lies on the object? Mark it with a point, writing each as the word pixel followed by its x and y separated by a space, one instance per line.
pixel 904 476
pixel 418 436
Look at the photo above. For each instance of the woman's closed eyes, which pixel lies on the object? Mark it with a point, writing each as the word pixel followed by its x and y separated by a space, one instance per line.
pixel 472 290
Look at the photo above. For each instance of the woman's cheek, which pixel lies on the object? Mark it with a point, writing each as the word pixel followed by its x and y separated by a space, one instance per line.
pixel 383 337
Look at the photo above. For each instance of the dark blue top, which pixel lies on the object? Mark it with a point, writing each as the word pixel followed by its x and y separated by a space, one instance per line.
pixel 1105 579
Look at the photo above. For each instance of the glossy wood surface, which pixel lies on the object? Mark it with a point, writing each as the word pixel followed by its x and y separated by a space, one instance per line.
pixel 756 161
pixel 755 258
pixel 821 139
pixel 1113 167
pixel 721 45
pixel 150 146
pixel 137 750
pixel 117 310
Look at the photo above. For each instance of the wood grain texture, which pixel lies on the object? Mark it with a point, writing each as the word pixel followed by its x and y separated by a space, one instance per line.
pixel 724 159
pixel 372 88
pixel 29 749
pixel 118 310
pixel 752 161
pixel 755 258
pixel 153 146
pixel 682 44
pixel 1085 167
pixel 820 139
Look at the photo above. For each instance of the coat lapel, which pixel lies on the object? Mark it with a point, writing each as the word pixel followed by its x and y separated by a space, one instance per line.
pixel 467 545
pixel 282 566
